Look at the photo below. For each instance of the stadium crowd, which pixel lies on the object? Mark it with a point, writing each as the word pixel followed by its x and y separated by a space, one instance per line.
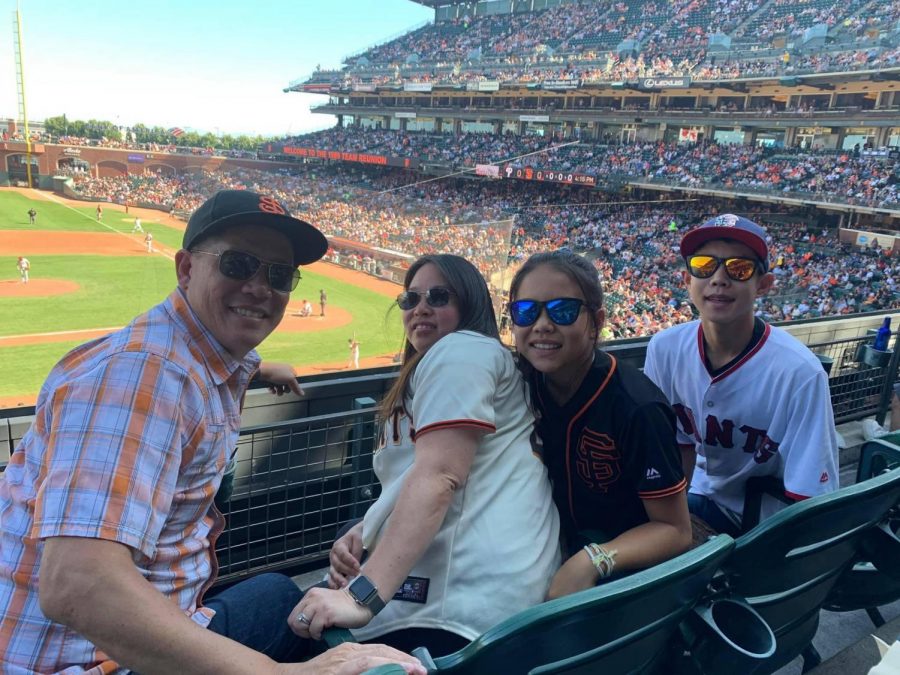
pixel 633 245
pixel 586 41
pixel 830 175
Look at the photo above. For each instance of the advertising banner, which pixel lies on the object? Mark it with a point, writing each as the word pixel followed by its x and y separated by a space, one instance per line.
pixel 489 170
pixel 664 82
pixel 417 86
pixel 360 157
pixel 560 84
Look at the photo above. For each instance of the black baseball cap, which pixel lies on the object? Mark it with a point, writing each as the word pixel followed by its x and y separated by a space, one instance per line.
pixel 243 207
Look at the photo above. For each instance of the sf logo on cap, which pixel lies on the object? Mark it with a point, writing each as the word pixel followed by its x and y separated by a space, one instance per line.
pixel 269 205
pixel 727 220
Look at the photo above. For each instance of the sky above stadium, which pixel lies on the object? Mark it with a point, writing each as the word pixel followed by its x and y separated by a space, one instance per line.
pixel 196 64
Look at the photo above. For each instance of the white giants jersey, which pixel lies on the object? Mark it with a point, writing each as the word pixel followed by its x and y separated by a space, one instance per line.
pixel 498 547
pixel 769 414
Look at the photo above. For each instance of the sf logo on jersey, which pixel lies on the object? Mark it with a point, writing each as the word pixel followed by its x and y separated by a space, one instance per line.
pixel 597 460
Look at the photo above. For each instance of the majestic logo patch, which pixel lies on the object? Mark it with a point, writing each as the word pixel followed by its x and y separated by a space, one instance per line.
pixel 824 477
pixel 414 589
pixel 652 474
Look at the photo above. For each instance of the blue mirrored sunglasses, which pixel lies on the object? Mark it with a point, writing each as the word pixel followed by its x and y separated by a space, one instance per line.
pixel 562 311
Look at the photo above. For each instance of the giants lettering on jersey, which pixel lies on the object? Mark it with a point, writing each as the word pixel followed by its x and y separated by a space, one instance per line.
pixel 720 433
pixel 597 460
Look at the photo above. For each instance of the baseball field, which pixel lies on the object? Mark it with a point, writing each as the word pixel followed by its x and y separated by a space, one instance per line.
pixel 90 277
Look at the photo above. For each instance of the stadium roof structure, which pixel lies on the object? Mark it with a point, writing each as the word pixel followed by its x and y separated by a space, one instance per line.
pixel 434 3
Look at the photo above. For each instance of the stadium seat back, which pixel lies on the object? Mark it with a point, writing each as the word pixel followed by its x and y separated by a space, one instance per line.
pixel 787 566
pixel 624 626
pixel 874 578
pixel 388 669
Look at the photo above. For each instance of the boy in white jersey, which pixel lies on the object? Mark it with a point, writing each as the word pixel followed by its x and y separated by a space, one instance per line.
pixel 751 400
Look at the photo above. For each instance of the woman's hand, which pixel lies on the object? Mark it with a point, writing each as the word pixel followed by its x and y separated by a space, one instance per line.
pixel 345 557
pixel 280 377
pixel 323 608
pixel 577 574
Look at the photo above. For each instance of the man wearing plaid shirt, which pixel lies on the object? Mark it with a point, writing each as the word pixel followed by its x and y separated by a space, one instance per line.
pixel 107 520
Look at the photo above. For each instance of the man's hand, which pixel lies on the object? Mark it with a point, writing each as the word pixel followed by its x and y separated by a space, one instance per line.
pixel 352 659
pixel 323 608
pixel 346 554
pixel 280 377
pixel 577 574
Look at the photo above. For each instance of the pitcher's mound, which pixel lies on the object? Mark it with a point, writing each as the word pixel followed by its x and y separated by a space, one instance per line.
pixel 13 288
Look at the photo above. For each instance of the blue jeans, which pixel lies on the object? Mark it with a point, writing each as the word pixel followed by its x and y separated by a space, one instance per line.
pixel 708 510
pixel 255 613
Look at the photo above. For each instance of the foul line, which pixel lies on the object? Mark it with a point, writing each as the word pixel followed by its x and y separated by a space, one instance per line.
pixel 58 332
pixel 52 197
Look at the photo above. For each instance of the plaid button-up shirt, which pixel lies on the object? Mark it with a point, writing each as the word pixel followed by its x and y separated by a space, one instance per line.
pixel 131 436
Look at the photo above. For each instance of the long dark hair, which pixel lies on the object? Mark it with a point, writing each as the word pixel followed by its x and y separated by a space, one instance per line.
pixel 476 313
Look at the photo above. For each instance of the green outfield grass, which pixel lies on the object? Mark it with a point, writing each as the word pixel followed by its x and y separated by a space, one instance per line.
pixel 113 290
pixel 53 216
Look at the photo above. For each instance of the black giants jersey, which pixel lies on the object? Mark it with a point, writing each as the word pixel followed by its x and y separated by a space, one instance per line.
pixel 610 446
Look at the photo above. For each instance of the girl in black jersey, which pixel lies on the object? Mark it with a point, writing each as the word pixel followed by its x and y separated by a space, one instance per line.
pixel 608 433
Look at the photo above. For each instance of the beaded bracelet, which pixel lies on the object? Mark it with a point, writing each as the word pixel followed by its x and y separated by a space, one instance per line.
pixel 604 561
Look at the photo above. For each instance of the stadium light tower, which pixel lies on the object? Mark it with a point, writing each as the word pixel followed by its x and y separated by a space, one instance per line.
pixel 20 88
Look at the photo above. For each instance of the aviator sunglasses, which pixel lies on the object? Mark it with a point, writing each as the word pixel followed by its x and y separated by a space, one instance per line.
pixel 436 296
pixel 562 311
pixel 704 266
pixel 243 266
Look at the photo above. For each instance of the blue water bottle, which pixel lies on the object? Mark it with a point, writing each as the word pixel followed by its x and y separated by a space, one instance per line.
pixel 883 335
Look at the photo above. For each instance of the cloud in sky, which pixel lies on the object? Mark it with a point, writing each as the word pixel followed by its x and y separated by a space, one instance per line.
pixel 210 66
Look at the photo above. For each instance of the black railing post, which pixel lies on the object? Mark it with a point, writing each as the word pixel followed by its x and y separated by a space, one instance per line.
pixel 360 455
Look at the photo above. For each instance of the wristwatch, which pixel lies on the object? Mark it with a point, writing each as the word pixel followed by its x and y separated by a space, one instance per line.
pixel 365 593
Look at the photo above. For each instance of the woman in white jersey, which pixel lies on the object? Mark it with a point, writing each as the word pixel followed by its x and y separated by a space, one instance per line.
pixel 464 533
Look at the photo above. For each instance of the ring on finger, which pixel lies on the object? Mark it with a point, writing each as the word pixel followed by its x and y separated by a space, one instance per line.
pixel 302 618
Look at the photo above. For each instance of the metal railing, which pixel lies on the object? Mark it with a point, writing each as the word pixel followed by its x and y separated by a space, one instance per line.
pixel 860 378
pixel 294 484
pixel 297 481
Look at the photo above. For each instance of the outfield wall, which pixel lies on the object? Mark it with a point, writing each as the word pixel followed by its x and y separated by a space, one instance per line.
pixel 112 161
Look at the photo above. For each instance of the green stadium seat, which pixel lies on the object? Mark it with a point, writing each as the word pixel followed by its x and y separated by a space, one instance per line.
pixel 874 579
pixel 389 669
pixel 788 565
pixel 624 626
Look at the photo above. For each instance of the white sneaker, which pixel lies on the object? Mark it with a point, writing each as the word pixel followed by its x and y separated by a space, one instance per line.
pixel 871 429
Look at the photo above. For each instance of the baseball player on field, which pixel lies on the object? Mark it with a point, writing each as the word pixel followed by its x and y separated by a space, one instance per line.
pixel 23 265
pixel 751 400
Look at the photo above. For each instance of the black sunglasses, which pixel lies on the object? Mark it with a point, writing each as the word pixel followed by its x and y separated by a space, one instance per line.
pixel 243 266
pixel 562 311
pixel 437 296
pixel 738 269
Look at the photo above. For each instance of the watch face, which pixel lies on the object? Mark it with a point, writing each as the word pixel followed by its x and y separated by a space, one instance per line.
pixel 361 589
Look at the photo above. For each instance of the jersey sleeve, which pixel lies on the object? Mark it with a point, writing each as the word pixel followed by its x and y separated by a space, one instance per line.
pixel 113 453
pixel 454 385
pixel 809 448
pixel 651 434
